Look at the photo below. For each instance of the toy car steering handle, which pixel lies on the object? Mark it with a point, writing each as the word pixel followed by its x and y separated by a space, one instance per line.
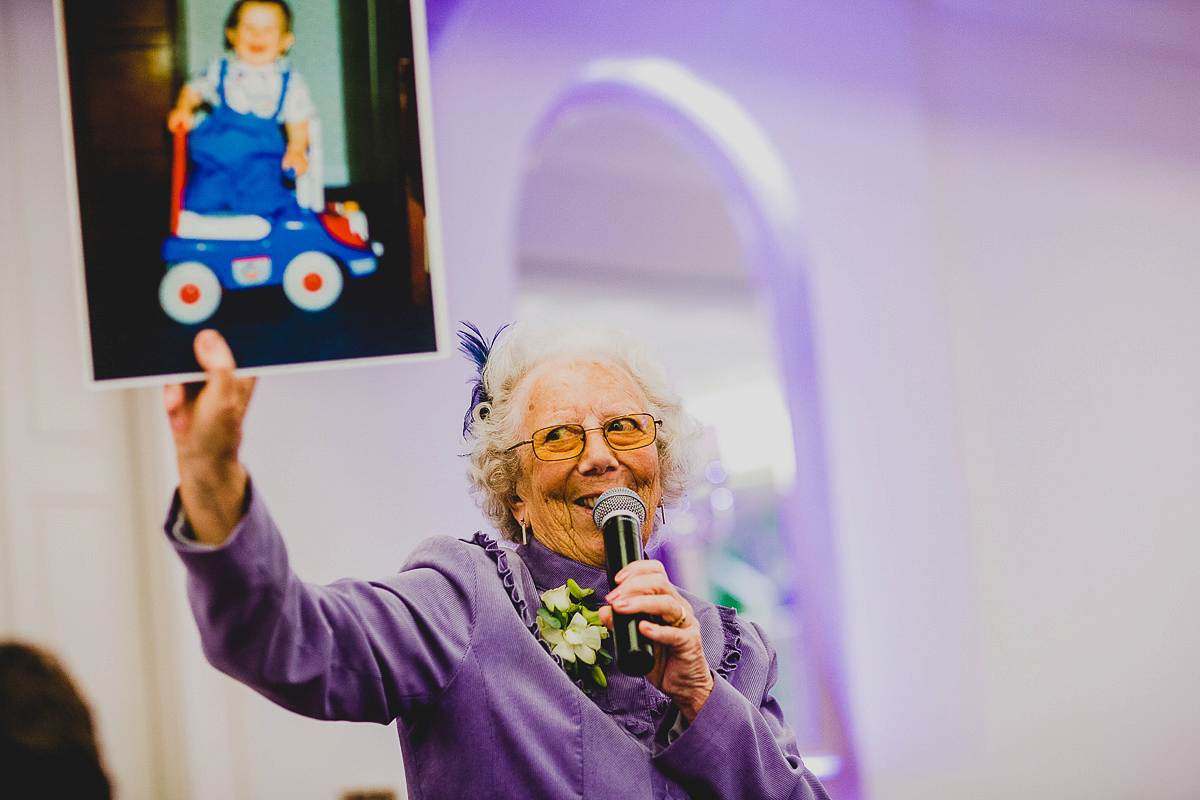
pixel 178 175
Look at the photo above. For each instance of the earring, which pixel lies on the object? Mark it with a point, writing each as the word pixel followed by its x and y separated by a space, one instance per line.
pixel 662 513
pixel 524 537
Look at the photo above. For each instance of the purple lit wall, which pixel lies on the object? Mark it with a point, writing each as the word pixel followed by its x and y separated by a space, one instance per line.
pixel 767 211
pixel 924 143
pixel 986 298
pixel 500 77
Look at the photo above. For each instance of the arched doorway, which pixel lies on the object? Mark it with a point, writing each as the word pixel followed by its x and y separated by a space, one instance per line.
pixel 653 202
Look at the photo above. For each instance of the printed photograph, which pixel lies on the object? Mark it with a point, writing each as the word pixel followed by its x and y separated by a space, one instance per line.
pixel 253 166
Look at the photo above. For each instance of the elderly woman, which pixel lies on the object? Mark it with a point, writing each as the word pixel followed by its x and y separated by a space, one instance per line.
pixel 494 669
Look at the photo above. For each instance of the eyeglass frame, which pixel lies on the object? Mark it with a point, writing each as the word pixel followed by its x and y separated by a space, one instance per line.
pixel 583 437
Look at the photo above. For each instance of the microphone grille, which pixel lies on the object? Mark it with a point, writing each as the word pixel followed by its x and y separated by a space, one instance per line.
pixel 614 501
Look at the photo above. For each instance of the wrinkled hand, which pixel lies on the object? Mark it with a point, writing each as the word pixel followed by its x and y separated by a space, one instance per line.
pixel 680 670
pixel 207 428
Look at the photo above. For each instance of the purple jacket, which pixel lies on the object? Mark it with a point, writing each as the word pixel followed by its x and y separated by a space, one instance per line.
pixel 447 647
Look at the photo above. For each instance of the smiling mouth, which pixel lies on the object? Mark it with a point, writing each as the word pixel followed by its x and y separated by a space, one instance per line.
pixel 588 502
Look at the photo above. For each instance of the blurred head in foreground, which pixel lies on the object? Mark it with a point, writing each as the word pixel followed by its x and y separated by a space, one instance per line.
pixel 47 741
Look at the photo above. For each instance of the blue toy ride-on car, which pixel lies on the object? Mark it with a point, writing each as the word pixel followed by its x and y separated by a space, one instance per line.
pixel 304 250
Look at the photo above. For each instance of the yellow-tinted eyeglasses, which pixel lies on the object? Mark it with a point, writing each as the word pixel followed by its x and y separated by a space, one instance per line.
pixel 560 442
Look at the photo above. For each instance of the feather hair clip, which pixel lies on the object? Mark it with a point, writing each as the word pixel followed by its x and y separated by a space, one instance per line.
pixel 475 346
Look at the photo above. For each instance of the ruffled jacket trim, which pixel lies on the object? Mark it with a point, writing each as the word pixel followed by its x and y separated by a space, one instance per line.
pixel 731 654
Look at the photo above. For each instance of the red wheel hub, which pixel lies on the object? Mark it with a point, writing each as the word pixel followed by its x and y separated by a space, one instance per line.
pixel 313 282
pixel 189 293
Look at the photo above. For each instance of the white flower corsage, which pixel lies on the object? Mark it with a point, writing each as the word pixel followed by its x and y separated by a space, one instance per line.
pixel 574 633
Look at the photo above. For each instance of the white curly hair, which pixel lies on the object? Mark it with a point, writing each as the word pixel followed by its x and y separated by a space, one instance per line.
pixel 492 468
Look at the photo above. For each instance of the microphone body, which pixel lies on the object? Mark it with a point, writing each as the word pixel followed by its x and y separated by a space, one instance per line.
pixel 619 514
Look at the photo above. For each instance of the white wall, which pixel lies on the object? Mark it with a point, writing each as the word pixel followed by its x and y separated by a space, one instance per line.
pixel 1067 174
pixel 74 574
pixel 1001 202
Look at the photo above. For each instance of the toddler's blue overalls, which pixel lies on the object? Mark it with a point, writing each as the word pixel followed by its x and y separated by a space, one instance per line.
pixel 236 160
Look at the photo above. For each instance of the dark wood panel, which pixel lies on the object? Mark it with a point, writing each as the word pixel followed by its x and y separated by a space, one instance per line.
pixel 130 38
pixel 122 14
pixel 130 114
pixel 121 67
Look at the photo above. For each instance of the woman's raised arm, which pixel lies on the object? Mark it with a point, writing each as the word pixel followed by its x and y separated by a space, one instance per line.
pixel 206 422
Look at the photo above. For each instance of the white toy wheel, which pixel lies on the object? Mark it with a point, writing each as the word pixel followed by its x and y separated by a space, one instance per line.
pixel 312 281
pixel 189 292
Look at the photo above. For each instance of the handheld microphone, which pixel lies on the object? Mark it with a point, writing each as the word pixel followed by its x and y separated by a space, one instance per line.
pixel 619 514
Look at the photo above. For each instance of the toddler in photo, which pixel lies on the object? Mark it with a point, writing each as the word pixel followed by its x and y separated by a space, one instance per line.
pixel 258 125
